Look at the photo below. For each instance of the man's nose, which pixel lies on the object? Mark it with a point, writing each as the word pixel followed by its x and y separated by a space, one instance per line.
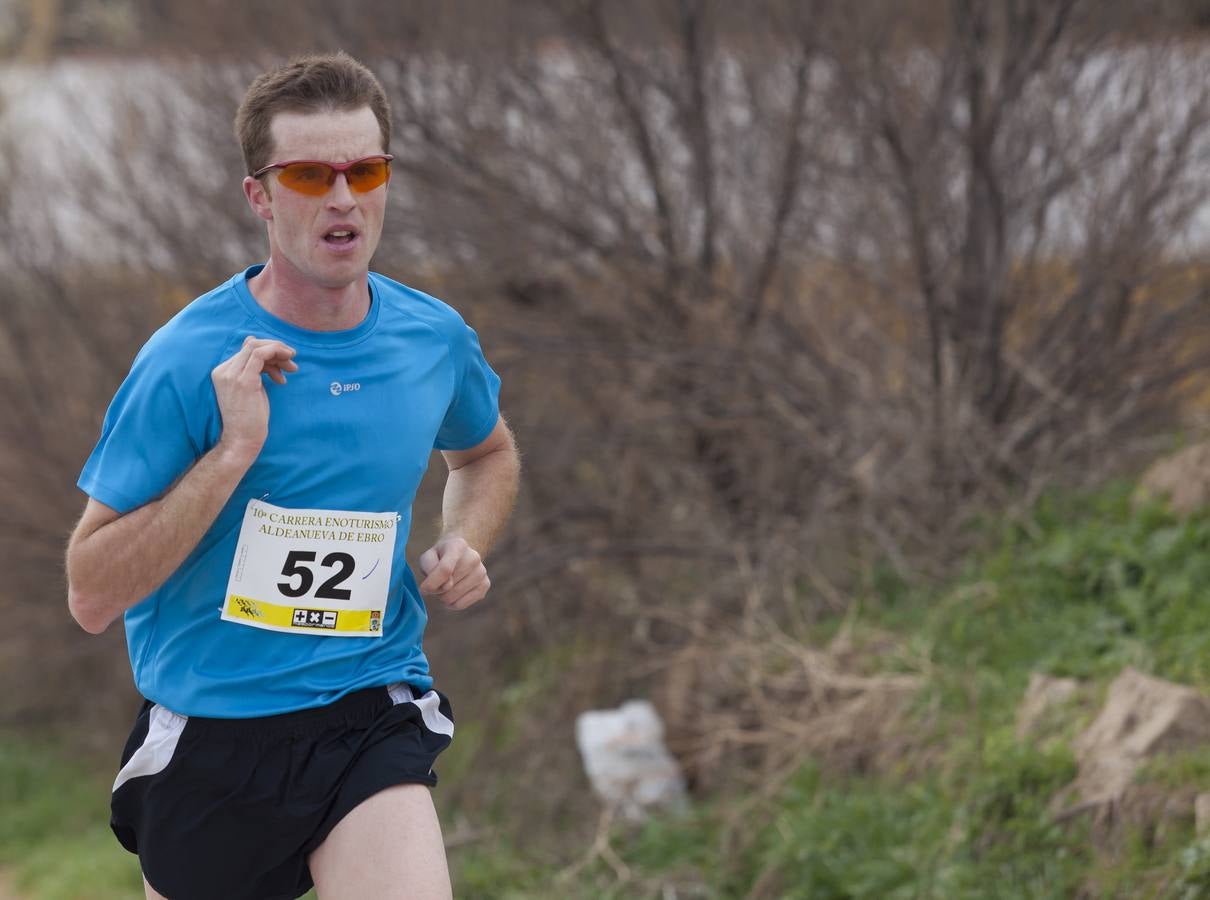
pixel 340 195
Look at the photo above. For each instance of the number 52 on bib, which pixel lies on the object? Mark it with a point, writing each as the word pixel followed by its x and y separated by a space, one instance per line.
pixel 321 572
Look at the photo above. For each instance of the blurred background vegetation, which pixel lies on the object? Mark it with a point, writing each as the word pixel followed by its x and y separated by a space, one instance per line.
pixel 828 331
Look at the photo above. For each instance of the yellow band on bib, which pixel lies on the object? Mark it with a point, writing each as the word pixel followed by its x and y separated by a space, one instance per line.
pixel 297 618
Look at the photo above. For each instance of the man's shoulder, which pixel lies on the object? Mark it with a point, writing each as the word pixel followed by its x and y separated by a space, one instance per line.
pixel 198 333
pixel 409 301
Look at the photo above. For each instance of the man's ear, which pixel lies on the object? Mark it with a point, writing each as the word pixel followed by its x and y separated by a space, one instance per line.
pixel 256 192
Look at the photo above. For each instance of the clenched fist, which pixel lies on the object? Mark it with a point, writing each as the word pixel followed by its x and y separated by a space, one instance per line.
pixel 454 573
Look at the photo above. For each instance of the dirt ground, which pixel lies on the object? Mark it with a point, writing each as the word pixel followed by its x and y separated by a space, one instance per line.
pixel 7 891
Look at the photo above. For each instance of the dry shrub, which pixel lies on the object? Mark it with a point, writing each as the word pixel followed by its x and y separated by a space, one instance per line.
pixel 746 711
pixel 65 345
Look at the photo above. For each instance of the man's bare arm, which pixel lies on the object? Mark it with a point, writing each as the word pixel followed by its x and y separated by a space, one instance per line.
pixel 479 496
pixel 481 489
pixel 114 561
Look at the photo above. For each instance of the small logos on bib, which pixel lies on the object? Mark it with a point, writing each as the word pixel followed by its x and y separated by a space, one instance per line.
pixel 337 388
pixel 249 607
pixel 314 618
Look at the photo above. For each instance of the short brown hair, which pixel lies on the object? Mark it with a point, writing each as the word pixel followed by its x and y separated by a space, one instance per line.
pixel 306 84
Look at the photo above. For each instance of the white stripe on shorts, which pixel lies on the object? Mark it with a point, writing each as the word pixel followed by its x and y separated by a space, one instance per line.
pixel 157 748
pixel 434 720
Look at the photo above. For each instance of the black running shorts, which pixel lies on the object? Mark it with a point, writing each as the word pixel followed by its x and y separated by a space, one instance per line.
pixel 230 808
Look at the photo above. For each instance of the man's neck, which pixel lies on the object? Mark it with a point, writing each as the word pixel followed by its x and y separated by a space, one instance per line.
pixel 282 291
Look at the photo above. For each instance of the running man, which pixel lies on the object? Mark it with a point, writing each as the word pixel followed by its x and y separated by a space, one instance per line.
pixel 249 505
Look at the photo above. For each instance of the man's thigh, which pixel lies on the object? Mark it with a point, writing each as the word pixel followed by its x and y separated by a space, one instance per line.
pixel 388 847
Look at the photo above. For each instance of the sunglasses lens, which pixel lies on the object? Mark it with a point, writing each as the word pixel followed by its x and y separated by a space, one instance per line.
pixel 307 178
pixel 367 175
pixel 315 178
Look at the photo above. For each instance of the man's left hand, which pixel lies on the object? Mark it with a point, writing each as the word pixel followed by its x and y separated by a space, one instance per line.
pixel 454 573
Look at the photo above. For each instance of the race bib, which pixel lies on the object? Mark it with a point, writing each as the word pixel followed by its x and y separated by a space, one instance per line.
pixel 311 571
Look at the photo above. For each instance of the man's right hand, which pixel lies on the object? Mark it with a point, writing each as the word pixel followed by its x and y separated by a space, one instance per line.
pixel 242 400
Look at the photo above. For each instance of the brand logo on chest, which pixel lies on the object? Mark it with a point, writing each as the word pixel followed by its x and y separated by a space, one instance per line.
pixel 337 388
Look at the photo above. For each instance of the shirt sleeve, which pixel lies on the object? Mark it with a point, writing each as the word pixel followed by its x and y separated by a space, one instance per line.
pixel 147 441
pixel 475 405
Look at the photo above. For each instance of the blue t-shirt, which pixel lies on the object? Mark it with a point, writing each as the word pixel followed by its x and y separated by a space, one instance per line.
pixel 353 429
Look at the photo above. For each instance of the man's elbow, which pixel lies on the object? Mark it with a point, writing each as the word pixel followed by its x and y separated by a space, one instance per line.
pixel 88 613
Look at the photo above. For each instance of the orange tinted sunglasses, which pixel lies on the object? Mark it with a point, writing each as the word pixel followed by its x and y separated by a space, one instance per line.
pixel 315 177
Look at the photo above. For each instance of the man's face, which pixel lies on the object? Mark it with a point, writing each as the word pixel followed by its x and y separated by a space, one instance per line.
pixel 301 226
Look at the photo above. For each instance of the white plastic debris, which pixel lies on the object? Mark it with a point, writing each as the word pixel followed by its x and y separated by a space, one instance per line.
pixel 627 762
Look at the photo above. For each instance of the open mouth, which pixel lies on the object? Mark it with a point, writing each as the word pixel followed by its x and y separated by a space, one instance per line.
pixel 340 237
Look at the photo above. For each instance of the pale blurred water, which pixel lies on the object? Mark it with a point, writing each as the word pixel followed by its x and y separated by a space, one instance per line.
pixel 59 118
